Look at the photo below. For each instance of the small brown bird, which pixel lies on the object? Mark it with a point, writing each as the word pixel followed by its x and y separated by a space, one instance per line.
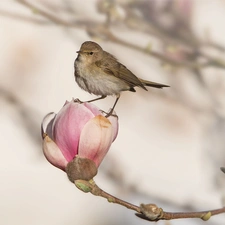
pixel 98 72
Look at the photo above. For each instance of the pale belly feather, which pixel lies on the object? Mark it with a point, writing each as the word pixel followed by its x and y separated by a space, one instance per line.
pixel 97 82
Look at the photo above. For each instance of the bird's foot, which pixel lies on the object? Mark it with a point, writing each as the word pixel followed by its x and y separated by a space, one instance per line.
pixel 78 100
pixel 108 114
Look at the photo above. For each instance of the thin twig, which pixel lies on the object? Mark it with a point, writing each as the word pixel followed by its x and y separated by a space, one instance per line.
pixel 45 14
pixel 18 16
pixel 95 190
pixel 149 212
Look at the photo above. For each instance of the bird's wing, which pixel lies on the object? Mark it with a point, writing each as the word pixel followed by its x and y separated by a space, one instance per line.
pixel 119 70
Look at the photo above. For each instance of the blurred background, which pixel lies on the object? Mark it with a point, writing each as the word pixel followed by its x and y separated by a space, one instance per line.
pixel 171 142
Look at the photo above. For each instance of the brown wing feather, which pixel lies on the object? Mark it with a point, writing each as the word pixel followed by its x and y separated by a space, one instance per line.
pixel 114 68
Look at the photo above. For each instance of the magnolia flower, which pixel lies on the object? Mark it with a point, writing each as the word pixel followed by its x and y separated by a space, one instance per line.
pixel 78 130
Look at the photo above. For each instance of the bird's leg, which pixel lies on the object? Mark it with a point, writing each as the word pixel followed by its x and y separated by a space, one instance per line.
pixel 112 109
pixel 102 97
pixel 79 101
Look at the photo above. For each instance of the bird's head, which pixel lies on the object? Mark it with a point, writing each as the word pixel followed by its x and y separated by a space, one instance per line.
pixel 90 52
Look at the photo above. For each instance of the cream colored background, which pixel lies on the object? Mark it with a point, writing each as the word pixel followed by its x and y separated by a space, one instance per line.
pixel 167 152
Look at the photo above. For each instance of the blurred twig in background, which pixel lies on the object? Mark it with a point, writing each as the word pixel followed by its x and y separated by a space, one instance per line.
pixel 170 40
pixel 169 22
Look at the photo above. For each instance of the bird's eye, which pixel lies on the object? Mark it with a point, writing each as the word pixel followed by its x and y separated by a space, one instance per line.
pixel 91 53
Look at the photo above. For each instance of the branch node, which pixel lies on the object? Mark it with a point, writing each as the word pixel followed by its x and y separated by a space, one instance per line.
pixel 151 211
pixel 83 185
pixel 206 216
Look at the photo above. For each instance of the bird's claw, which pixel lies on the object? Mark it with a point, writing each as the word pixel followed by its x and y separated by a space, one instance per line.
pixel 110 113
pixel 78 100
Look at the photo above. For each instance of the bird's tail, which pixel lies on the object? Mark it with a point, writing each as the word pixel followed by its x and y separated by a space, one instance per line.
pixel 152 84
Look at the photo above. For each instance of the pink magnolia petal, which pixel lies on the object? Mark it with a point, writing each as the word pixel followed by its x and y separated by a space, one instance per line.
pixel 53 154
pixel 67 127
pixel 96 138
pixel 46 125
pixel 67 102
pixel 115 125
pixel 93 108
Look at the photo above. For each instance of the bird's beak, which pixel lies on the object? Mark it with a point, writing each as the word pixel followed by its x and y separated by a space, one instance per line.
pixel 78 51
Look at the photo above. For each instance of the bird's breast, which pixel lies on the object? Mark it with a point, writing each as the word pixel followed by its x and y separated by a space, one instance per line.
pixel 95 81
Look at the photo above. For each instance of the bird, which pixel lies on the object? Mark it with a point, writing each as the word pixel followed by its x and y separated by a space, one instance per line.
pixel 100 73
